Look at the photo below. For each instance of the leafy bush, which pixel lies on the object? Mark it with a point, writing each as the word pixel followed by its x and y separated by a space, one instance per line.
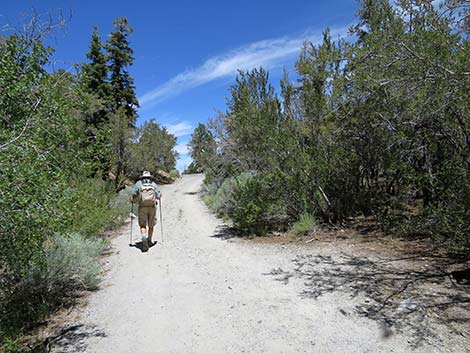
pixel 10 346
pixel 40 166
pixel 209 200
pixel 257 207
pixel 121 205
pixel 211 188
pixel 89 208
pixel 222 202
pixel 175 174
pixel 68 264
pixel 71 263
pixel 305 224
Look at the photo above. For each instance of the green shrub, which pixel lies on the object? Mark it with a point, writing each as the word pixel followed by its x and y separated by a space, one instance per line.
pixel 175 174
pixel 248 215
pixel 305 224
pixel 10 346
pixel 71 264
pixel 223 201
pixel 210 188
pixel 89 207
pixel 121 205
pixel 209 200
pixel 68 264
pixel 258 206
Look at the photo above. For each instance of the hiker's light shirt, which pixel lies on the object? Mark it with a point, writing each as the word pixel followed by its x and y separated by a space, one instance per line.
pixel 138 186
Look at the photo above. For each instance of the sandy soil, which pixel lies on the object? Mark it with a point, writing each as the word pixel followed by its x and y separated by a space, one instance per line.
pixel 202 290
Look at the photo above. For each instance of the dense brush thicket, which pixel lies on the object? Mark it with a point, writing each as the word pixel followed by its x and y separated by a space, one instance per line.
pixel 377 124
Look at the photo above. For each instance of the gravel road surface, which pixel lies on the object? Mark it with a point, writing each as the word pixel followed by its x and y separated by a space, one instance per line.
pixel 202 291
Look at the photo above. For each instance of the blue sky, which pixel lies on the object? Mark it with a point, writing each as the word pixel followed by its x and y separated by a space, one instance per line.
pixel 187 52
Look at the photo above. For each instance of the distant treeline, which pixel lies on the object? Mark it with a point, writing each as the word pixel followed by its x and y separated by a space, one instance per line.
pixel 376 125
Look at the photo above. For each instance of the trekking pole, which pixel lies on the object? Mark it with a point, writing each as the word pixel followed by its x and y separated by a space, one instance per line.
pixel 161 218
pixel 132 218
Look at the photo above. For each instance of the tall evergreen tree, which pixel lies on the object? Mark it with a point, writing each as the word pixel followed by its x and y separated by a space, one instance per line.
pixel 98 97
pixel 120 57
pixel 95 73
pixel 253 111
pixel 202 148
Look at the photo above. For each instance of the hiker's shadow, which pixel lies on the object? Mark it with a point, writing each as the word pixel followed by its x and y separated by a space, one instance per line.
pixel 139 245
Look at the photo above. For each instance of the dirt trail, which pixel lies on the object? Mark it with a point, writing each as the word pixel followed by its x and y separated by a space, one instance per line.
pixel 201 292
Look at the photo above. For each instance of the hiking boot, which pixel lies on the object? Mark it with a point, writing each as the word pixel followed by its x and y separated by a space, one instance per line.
pixel 145 243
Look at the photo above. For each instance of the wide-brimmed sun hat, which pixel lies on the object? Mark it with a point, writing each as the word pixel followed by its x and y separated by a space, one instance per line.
pixel 146 174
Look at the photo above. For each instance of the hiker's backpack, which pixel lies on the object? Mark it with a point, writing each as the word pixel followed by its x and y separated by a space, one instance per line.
pixel 147 194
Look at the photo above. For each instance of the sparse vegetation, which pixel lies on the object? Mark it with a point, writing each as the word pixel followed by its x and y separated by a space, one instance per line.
pixel 306 224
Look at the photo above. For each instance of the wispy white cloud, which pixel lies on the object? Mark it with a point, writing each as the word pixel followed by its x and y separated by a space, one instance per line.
pixel 269 53
pixel 179 129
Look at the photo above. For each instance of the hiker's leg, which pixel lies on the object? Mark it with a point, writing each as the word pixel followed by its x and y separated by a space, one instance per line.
pixel 143 227
pixel 151 221
pixel 143 222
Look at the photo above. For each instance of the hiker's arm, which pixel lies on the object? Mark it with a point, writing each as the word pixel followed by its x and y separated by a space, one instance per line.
pixel 158 194
pixel 135 192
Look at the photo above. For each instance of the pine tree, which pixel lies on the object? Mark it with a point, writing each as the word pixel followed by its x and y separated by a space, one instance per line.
pixel 202 148
pixel 95 79
pixel 120 57
pixel 96 72
pixel 96 97
pixel 253 111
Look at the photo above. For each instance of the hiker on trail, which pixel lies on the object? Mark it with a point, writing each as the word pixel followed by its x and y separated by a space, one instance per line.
pixel 147 194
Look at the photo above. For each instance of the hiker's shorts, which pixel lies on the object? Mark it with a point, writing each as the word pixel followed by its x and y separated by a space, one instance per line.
pixel 147 216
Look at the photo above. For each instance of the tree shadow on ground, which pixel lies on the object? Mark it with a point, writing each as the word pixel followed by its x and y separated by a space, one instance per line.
pixel 402 294
pixel 225 232
pixel 69 339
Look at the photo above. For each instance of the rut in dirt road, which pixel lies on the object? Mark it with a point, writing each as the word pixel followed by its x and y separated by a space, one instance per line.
pixel 199 292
